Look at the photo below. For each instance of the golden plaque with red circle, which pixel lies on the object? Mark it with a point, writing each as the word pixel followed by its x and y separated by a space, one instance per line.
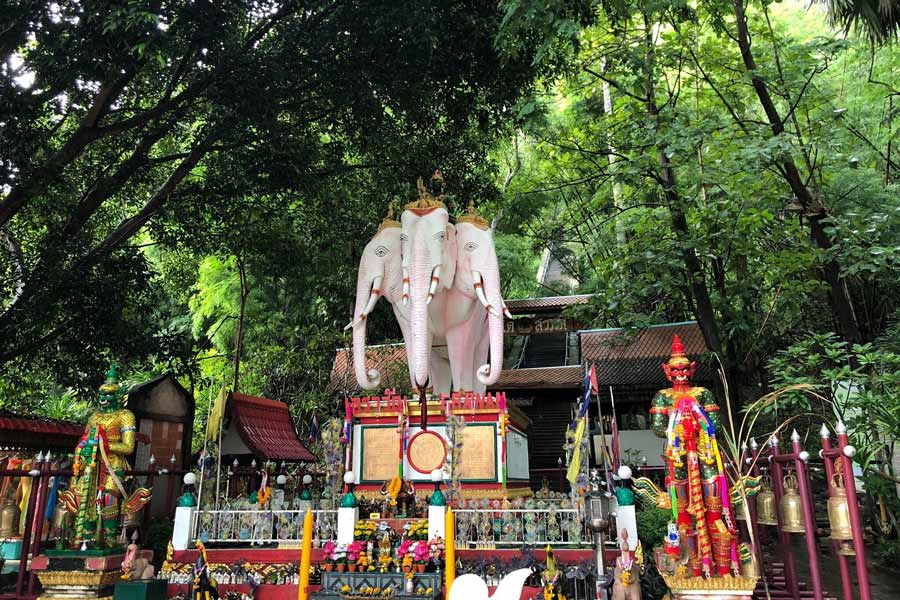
pixel 426 451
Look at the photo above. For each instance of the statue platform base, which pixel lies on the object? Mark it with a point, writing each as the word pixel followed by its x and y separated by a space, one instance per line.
pixel 77 575
pixel 716 588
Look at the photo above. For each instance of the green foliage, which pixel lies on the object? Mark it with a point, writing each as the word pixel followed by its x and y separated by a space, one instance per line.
pixel 652 524
pixel 860 385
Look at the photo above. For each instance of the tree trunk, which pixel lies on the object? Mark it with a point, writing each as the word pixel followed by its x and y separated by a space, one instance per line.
pixel 841 303
pixel 239 339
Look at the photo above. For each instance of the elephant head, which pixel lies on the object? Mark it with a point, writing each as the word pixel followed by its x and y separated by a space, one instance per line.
pixel 429 264
pixel 379 275
pixel 478 273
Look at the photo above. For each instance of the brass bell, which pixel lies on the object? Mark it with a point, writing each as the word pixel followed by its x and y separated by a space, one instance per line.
pixel 839 510
pixel 765 506
pixel 792 507
pixel 9 519
pixel 846 549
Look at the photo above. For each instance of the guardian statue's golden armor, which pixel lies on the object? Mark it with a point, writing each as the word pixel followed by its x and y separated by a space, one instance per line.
pixel 96 494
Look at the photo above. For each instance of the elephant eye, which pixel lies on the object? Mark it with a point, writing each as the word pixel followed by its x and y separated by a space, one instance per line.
pixel 404 237
pixel 470 247
pixel 440 236
pixel 381 251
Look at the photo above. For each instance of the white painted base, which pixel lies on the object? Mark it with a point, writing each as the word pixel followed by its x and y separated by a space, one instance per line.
pixel 626 519
pixel 346 523
pixel 436 522
pixel 181 533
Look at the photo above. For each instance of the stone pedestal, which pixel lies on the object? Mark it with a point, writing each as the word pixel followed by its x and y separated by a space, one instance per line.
pixel 626 519
pixel 346 523
pixel 181 533
pixel 76 575
pixel 437 522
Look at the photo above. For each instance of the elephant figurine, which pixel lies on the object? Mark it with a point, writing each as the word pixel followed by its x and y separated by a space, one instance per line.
pixel 626 582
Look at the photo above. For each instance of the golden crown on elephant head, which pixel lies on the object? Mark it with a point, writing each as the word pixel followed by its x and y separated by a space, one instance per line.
pixel 473 217
pixel 389 220
pixel 429 198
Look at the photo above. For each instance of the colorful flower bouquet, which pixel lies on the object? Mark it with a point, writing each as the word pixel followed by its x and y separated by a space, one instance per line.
pixel 328 555
pixel 420 554
pixel 354 549
pixel 417 530
pixel 340 557
pixel 365 530
pixel 436 549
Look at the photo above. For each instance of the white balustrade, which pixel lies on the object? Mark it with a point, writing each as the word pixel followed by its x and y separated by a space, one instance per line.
pixel 261 526
pixel 513 527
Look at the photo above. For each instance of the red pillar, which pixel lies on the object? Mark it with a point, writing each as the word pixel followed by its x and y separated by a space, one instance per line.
pixel 859 545
pixel 808 521
pixel 846 583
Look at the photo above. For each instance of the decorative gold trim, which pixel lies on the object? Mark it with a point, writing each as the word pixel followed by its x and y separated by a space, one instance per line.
pixel 726 583
pixel 389 220
pixel 85 578
pixel 473 218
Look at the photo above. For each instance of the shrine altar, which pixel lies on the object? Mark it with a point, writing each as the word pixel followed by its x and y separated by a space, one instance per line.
pixel 488 435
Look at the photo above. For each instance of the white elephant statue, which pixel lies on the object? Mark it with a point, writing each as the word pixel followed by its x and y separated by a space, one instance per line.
pixel 428 249
pixel 444 284
pixel 380 275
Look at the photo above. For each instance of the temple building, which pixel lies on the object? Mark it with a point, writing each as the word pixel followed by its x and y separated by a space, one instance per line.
pixel 544 372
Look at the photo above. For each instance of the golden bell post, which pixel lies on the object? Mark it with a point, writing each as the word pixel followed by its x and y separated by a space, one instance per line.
pixel 791 507
pixel 839 515
pixel 765 506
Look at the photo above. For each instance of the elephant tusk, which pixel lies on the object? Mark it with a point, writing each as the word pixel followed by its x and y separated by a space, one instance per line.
pixel 374 296
pixel 506 311
pixel 479 292
pixel 435 281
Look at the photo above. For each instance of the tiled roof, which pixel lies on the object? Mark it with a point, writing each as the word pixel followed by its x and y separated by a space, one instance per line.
pixel 265 426
pixel 31 432
pixel 541 377
pixel 526 306
pixel 629 357
pixel 388 359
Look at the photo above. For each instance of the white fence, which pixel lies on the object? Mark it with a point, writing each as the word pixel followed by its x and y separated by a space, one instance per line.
pixel 261 526
pixel 491 528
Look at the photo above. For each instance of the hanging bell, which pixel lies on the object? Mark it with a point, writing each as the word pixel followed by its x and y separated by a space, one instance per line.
pixel 765 506
pixel 9 518
pixel 839 510
pixel 846 549
pixel 792 507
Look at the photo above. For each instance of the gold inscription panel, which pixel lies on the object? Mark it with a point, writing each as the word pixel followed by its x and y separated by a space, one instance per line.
pixel 381 447
pixel 479 453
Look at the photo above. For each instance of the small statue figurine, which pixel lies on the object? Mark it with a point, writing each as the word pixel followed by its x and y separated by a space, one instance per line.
pixel 99 468
pixel 134 566
pixel 627 585
pixel 550 578
pixel 203 585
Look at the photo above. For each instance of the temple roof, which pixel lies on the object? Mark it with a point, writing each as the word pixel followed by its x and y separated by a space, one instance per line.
pixel 37 433
pixel 525 306
pixel 623 357
pixel 635 357
pixel 266 428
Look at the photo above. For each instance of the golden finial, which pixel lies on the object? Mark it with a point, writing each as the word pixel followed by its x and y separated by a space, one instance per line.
pixel 429 199
pixel 473 218
pixel 389 220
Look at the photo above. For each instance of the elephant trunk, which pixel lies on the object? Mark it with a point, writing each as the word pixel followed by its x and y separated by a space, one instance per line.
pixel 420 280
pixel 489 374
pixel 367 293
